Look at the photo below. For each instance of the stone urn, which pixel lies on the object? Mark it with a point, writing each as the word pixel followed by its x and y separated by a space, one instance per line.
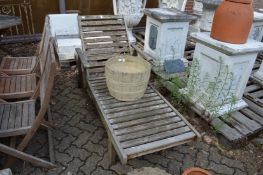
pixel 209 7
pixel 178 4
pixel 132 10
pixel 233 21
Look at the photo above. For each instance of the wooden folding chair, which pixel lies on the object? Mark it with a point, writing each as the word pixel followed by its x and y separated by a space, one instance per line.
pixel 24 85
pixel 18 118
pixel 26 65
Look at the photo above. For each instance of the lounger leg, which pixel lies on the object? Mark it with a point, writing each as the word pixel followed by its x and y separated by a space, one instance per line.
pixel 112 152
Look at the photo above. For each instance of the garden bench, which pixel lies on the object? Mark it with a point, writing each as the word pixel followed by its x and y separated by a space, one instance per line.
pixel 19 118
pixel 135 128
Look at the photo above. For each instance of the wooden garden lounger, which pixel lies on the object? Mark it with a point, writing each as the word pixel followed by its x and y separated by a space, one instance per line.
pixel 19 118
pixel 26 65
pixel 24 85
pixel 134 128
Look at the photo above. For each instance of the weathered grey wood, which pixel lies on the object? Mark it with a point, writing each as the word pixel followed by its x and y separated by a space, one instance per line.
pixel 151 131
pixel 146 126
pixel 237 125
pixel 5 116
pixel 140 110
pixel 107 45
pixel 112 152
pixel 103 22
pixel 101 17
pixel 250 124
pixel 99 34
pixel 105 39
pixel 143 120
pixel 107 50
pixel 106 28
pixel 152 138
pixel 140 115
pixel 225 130
pixel 254 107
pixel 159 145
pixel 253 115
pixel 18 122
pixel 21 155
pixel 12 117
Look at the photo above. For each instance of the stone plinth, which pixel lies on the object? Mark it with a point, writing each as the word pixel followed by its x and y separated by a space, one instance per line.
pixel 65 30
pixel 222 73
pixel 256 32
pixel 166 33
pixel 209 7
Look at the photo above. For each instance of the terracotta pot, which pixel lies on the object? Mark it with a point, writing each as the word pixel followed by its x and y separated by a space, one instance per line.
pixel 232 21
pixel 196 171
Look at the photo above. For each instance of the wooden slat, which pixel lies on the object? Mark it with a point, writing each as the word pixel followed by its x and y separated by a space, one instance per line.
pixel 25 115
pixel 23 83
pixel 5 119
pixel 98 34
pixel 28 83
pixel 100 17
pixel 105 39
pixel 18 83
pixel 252 115
pixel 134 106
pixel 12 117
pixel 104 28
pixel 146 126
pixel 156 137
pixel 16 63
pixel 107 50
pixel 141 115
pixel 13 85
pixel 101 23
pixel 140 110
pixel 7 84
pixel 143 120
pixel 159 145
pixel 19 113
pixel 107 45
pixel 254 95
pixel 119 104
pixel 1 113
pixel 250 124
pixel 251 88
pixel 150 131
pixel 254 107
pixel 237 125
pixel 2 84
pixel 31 110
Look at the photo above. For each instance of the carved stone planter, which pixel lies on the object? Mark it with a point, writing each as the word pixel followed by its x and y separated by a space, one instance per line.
pixel 209 7
pixel 132 10
pixel 178 4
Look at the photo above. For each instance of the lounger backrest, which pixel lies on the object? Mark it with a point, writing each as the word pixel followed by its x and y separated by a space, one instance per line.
pixel 44 45
pixel 47 78
pixel 102 38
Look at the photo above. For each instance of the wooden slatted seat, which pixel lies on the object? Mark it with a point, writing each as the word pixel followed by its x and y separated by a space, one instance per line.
pixel 26 65
pixel 134 128
pixel 19 118
pixel 17 86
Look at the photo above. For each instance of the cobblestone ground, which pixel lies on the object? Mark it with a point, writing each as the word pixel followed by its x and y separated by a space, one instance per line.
pixel 80 142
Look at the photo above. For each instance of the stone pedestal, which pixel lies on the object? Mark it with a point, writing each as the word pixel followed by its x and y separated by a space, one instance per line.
pixel 222 71
pixel 256 32
pixel 209 7
pixel 178 4
pixel 166 34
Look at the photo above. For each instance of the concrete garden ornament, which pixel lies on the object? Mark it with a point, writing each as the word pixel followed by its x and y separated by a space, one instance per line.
pixel 132 11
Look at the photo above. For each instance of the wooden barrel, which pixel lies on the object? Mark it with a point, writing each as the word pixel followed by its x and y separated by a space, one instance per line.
pixel 127 77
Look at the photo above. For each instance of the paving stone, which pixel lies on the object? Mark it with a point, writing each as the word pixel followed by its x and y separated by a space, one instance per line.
pixel 214 155
pixel 90 164
pixel 233 163
pixel 171 154
pixel 238 172
pixel 71 130
pixel 174 167
pixel 74 151
pixel 220 169
pixel 98 135
pixel 100 171
pixel 65 143
pixel 82 139
pixel 87 127
pixel 139 163
pixel 121 169
pixel 202 159
pixel 157 159
pixel 95 148
pixel 63 158
pixel 58 134
pixel 73 167
pixel 187 162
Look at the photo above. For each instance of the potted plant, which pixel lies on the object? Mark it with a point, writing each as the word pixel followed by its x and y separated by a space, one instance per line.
pixel 196 171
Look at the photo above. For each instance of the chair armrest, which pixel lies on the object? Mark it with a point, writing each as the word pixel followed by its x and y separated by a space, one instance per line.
pixel 82 57
pixel 3 101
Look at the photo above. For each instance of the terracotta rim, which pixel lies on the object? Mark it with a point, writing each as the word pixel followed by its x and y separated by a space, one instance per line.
pixel 241 1
pixel 196 169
